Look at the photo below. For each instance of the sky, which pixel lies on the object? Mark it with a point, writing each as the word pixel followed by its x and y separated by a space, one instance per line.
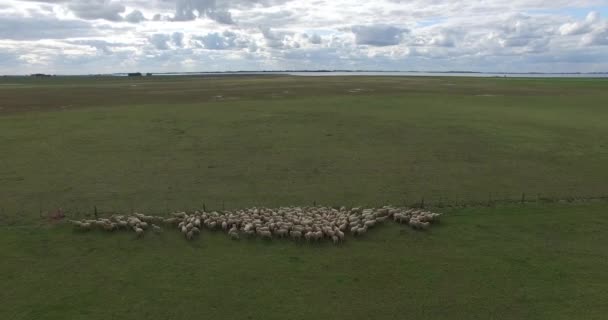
pixel 111 36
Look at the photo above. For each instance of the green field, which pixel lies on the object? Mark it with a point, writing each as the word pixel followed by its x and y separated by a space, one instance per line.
pixel 161 144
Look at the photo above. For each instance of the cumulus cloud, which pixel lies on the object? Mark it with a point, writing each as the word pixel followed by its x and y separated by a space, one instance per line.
pixel 226 40
pixel 580 27
pixel 160 41
pixel 97 9
pixel 34 28
pixel 173 35
pixel 316 39
pixel 135 17
pixel 378 35
pixel 186 10
pixel 178 39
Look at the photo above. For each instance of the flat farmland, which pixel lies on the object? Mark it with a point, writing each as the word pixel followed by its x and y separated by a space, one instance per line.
pixel 163 144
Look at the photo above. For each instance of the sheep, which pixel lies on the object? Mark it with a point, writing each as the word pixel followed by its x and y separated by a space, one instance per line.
pixel 318 235
pixel 179 214
pixel 83 226
pixel 295 234
pixel 234 235
pixel 265 234
pixel 311 223
pixel 335 239
pixel 340 235
pixel 309 236
pixel 170 220
pixel 109 226
pixel 360 231
pixel 281 232
pixel 139 232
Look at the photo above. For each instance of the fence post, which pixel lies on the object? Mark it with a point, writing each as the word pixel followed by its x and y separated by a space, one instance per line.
pixel 422 203
pixel 95 211
pixel 523 197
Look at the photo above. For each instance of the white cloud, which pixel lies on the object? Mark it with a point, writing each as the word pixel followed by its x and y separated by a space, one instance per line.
pixel 174 35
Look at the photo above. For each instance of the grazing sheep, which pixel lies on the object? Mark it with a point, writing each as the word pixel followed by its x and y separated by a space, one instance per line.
pixel 309 235
pixel 295 234
pixel 109 226
pixel 82 226
pixel 340 235
pixel 311 223
pixel 265 234
pixel 282 232
pixel 139 232
pixel 335 239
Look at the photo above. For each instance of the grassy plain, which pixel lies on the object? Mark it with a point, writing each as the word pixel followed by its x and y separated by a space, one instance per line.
pixel 167 143
pixel 172 143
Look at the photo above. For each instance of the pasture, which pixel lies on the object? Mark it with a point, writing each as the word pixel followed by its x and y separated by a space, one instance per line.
pixel 163 144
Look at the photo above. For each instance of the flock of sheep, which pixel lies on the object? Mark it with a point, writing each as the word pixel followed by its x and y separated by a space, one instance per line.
pixel 297 223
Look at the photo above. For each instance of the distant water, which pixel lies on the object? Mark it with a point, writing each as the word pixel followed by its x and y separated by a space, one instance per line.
pixel 399 74
pixel 450 74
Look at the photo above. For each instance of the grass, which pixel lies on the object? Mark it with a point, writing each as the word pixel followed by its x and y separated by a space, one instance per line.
pixel 167 143
pixel 534 262
pixel 400 141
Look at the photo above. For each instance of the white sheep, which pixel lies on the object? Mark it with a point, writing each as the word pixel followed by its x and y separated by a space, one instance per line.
pixel 295 234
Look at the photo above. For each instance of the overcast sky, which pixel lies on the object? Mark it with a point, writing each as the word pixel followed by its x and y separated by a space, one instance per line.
pixel 105 36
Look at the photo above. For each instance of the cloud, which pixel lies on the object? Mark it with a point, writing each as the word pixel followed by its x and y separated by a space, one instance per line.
pixel 160 41
pixel 135 17
pixel 174 35
pixel 97 9
pixel 378 35
pixel 580 27
pixel 226 40
pixel 34 28
pixel 186 10
pixel 178 39
pixel 598 37
pixel 316 39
